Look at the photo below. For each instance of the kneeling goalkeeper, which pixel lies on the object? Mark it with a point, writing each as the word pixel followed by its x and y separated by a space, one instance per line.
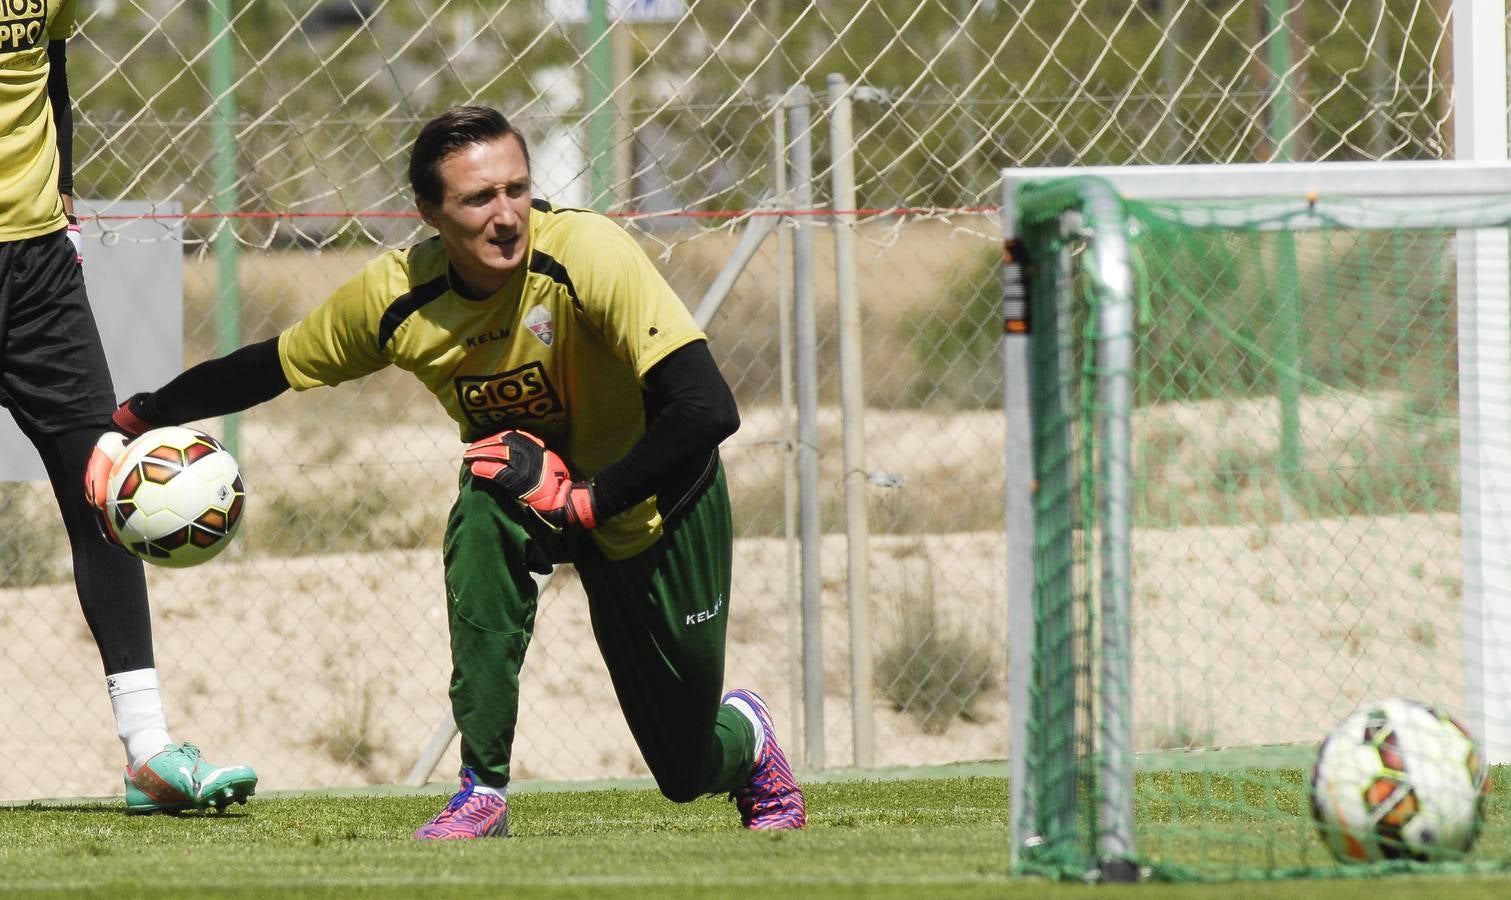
pixel 593 412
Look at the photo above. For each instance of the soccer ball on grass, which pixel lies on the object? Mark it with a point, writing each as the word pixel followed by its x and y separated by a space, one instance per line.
pixel 1399 780
pixel 175 497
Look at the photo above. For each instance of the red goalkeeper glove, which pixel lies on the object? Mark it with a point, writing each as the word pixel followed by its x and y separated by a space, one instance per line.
pixel 521 464
pixel 108 450
pixel 76 238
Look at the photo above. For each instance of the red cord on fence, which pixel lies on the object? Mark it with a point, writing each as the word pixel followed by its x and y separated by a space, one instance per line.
pixel 673 214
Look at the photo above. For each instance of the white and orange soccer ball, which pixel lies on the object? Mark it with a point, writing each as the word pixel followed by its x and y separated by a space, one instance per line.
pixel 175 497
pixel 1399 779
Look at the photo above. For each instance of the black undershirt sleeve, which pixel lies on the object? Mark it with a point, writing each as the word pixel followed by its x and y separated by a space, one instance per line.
pixel 689 409
pixel 62 111
pixel 217 387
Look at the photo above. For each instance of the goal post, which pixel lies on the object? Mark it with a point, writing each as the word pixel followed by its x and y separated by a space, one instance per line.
pixel 1257 473
pixel 1044 802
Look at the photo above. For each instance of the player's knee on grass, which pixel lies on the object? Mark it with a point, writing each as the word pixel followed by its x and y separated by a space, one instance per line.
pixel 683 780
pixel 680 790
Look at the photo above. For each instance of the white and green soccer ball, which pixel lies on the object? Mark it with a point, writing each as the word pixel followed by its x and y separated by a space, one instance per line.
pixel 175 497
pixel 1399 779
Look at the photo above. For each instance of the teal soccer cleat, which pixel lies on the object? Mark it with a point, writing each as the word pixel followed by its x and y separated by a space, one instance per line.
pixel 178 779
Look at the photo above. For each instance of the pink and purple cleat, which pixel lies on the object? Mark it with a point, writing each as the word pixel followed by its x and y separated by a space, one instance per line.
pixel 771 800
pixel 470 814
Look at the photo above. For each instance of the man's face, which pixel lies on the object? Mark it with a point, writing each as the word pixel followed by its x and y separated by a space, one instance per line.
pixel 484 213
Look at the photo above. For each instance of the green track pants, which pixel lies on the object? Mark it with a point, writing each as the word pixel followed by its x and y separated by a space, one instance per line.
pixel 659 619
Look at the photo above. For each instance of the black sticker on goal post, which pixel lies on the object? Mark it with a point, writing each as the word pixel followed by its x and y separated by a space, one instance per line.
pixel 1014 288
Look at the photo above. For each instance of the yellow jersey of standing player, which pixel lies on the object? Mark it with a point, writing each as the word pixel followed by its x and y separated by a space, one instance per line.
pixel 29 202
pixel 561 350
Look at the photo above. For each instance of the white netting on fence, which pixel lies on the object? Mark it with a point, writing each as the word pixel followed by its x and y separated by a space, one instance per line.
pixel 315 649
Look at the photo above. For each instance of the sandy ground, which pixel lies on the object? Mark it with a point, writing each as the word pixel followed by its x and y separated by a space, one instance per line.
pixel 336 675
pixel 330 670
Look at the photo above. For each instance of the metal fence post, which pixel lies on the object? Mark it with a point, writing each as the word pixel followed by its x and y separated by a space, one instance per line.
pixel 789 442
pixel 852 403
pixel 805 335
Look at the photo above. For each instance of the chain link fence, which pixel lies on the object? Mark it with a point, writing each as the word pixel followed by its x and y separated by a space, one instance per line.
pixel 315 647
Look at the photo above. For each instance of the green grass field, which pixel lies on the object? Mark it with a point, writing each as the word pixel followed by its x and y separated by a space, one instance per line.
pixel 911 837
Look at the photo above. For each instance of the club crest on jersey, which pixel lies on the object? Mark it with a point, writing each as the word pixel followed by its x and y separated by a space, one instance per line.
pixel 538 320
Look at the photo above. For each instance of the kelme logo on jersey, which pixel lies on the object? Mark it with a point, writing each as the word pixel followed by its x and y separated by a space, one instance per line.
pixel 23 24
pixel 523 393
pixel 538 320
pixel 702 616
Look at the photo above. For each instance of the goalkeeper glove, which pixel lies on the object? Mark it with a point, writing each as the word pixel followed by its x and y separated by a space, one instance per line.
pixel 108 450
pixel 521 464
pixel 76 238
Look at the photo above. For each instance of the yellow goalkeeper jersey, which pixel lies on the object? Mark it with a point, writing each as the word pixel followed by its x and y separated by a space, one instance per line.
pixel 29 200
pixel 560 350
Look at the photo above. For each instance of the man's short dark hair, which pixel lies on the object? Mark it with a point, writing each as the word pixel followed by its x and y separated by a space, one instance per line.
pixel 457 127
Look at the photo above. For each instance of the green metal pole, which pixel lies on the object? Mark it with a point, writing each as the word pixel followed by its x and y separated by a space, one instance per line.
pixel 1278 54
pixel 228 290
pixel 1282 122
pixel 600 111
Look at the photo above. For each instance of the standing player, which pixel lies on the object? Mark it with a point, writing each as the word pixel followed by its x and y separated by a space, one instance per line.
pixel 594 412
pixel 54 381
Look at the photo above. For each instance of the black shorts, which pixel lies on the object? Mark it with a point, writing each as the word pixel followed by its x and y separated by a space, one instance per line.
pixel 53 373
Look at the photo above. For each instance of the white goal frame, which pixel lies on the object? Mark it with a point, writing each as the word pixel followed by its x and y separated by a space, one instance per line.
pixel 1472 196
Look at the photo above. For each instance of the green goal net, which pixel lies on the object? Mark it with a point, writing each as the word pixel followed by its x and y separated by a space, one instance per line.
pixel 1264 485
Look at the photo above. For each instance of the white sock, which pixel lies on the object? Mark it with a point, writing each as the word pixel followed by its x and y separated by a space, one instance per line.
pixel 748 712
pixel 139 719
pixel 501 793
